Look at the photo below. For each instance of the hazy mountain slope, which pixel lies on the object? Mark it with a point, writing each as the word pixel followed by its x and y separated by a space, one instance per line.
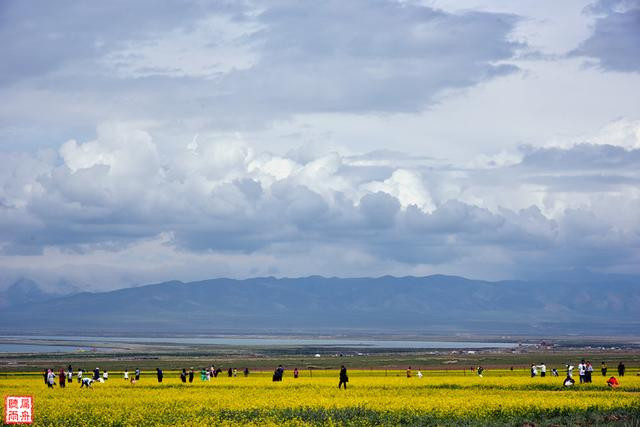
pixel 434 304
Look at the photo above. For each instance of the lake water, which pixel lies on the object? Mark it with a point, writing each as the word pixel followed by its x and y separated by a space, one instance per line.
pixel 363 344
pixel 38 348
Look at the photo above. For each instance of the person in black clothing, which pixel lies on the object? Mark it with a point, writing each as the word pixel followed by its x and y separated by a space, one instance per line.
pixel 344 379
pixel 137 374
pixel 621 369
pixel 230 372
pixel 183 375
pixel 278 373
pixel 191 375
pixel 159 373
pixel 96 374
pixel 46 375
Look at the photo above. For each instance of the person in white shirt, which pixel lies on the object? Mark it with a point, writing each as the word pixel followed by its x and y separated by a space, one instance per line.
pixel 582 370
pixel 86 382
pixel 51 378
pixel 570 370
pixel 105 375
pixel 419 374
pixel 543 369
pixel 126 374
pixel 534 371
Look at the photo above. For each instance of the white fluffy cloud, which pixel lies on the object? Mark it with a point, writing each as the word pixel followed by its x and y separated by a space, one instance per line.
pixel 109 200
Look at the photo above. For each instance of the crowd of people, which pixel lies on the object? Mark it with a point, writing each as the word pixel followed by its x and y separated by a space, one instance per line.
pixel 206 374
pixel 585 373
pixel 64 377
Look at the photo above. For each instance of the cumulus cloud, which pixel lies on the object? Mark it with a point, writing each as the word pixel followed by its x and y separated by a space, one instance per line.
pixel 219 198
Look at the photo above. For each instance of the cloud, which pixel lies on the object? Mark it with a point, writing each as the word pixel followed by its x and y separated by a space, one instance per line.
pixel 333 56
pixel 346 138
pixel 615 41
pixel 237 65
pixel 104 198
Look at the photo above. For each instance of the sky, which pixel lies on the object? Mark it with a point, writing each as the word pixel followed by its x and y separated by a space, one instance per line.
pixel 149 141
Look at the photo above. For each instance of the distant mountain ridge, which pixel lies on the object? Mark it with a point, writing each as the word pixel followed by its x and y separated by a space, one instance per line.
pixel 25 290
pixel 435 304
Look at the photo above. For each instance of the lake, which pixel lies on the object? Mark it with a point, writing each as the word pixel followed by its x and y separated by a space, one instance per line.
pixel 34 343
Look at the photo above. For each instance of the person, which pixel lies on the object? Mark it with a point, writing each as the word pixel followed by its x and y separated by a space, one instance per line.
pixel 419 373
pixel 235 372
pixel 159 374
pixel 570 370
pixel 588 372
pixel 80 373
pixel 86 382
pixel 46 376
pixel 344 378
pixel 207 375
pixel 613 382
pixel 62 378
pixel 554 372
pixel 603 369
pixel 183 375
pixel 105 375
pixel 409 372
pixel 534 371
pixel 203 374
pixel 51 378
pixel 137 374
pixel 543 369
pixel 621 369
pixel 569 381
pixel 230 372
pixel 278 373
pixel 582 371
pixel 126 374
pixel 191 374
pixel 295 373
pixel 69 374
pixel 480 371
pixel 246 372
pixel 96 374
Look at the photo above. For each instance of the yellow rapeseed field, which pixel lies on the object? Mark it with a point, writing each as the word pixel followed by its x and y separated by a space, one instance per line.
pixel 372 398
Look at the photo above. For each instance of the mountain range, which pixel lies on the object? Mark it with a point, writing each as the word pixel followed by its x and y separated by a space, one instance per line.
pixel 599 305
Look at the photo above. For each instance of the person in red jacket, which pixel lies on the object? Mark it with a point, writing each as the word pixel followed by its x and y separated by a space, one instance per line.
pixel 613 382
